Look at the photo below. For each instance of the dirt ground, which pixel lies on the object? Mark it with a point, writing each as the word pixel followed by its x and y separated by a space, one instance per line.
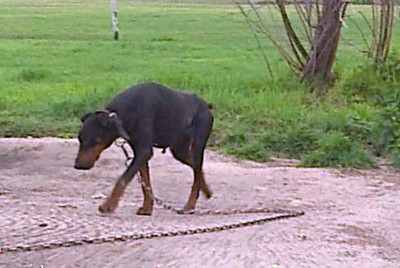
pixel 352 216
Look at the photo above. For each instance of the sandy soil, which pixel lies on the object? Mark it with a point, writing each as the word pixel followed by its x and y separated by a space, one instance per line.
pixel 352 216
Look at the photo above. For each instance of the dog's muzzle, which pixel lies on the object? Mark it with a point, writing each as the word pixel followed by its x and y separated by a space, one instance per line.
pixel 86 158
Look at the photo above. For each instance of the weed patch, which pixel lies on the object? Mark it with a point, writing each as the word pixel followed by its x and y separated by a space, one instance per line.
pixel 33 76
pixel 337 150
pixel 163 39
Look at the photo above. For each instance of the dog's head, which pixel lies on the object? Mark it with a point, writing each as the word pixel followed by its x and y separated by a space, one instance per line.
pixel 98 131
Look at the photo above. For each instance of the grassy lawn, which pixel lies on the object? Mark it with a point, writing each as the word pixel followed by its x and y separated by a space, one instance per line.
pixel 58 61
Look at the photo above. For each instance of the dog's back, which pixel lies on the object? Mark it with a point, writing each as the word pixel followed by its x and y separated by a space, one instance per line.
pixel 165 112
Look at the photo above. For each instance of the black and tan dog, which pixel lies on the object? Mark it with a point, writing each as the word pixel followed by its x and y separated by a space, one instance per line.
pixel 149 115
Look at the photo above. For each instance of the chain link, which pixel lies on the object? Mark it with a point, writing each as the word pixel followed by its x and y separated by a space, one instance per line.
pixel 282 214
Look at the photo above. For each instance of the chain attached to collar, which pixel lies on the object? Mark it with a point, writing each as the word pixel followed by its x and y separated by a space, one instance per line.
pixel 122 144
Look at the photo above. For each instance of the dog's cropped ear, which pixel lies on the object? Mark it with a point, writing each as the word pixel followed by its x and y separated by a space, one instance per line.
pixel 85 116
pixel 118 124
pixel 111 119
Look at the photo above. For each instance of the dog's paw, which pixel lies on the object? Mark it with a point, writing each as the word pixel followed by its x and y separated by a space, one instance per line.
pixel 208 194
pixel 144 211
pixel 206 191
pixel 107 207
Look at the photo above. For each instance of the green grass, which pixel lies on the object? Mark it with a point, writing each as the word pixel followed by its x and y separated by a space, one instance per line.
pixel 58 61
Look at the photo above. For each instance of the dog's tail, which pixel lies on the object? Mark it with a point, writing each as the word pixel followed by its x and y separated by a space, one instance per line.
pixel 210 106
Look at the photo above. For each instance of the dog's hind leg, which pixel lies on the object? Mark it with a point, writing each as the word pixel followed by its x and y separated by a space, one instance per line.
pixel 203 123
pixel 191 152
pixel 182 153
pixel 147 207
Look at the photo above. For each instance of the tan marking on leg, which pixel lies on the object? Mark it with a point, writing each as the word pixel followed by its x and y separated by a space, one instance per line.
pixel 111 203
pixel 194 194
pixel 147 207
pixel 204 187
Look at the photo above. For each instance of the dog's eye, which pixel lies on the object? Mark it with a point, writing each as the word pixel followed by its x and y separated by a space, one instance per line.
pixel 98 141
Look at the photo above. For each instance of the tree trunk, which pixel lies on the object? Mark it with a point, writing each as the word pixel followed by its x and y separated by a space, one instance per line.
pixel 383 28
pixel 319 65
pixel 114 19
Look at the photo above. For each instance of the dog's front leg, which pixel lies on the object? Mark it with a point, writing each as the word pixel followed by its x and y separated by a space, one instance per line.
pixel 140 159
pixel 147 207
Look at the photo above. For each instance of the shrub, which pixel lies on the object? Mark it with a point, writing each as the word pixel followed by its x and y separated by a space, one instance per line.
pixel 389 127
pixel 372 85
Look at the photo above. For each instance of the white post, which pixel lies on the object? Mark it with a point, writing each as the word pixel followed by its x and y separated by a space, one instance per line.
pixel 114 19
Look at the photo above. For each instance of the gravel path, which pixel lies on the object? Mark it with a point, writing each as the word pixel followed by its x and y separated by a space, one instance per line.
pixel 352 216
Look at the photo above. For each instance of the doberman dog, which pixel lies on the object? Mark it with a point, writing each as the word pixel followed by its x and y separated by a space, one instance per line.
pixel 149 115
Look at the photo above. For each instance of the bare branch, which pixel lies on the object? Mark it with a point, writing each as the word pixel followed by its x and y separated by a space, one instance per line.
pixel 257 39
pixel 281 50
pixel 304 19
pixel 360 30
pixel 295 43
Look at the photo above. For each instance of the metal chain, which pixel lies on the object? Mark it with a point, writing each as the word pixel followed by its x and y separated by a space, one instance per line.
pixel 131 236
pixel 252 210
pixel 121 144
pixel 166 206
